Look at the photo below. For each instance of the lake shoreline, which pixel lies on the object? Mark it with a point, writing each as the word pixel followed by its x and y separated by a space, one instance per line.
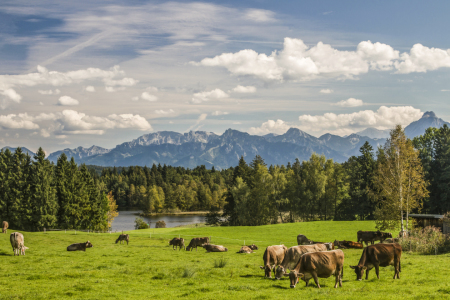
pixel 198 213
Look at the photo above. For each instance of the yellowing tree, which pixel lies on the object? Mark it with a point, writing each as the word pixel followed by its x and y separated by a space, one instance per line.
pixel 112 212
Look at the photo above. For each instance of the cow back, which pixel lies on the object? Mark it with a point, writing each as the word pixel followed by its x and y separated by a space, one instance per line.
pixel 323 263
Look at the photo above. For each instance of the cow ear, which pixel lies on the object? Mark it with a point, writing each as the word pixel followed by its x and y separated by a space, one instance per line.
pixel 364 268
pixel 353 267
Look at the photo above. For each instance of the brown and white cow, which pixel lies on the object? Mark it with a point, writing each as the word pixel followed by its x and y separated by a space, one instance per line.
pixel 245 249
pixel 303 240
pixel 177 242
pixel 376 256
pixel 79 246
pixel 318 265
pixel 294 254
pixel 372 236
pixel 5 226
pixel 214 248
pixel 348 244
pixel 273 256
pixel 17 243
pixel 123 238
pixel 195 242
pixel 330 245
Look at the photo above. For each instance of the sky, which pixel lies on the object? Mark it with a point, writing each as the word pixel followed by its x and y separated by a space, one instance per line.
pixel 83 73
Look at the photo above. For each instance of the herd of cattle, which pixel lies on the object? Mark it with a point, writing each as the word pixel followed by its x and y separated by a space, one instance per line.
pixel 309 260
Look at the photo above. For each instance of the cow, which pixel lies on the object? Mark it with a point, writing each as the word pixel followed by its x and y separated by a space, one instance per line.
pixel 123 238
pixel 372 236
pixel 177 242
pixel 214 248
pixel 348 244
pixel 330 246
pixel 245 249
pixel 253 247
pixel 5 226
pixel 294 254
pixel 195 242
pixel 17 243
pixel 379 255
pixel 79 246
pixel 303 240
pixel 273 256
pixel 318 264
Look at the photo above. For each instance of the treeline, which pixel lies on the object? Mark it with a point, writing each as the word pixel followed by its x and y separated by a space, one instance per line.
pixel 36 194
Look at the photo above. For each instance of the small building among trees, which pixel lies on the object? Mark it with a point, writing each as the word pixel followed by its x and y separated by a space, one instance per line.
pixel 424 220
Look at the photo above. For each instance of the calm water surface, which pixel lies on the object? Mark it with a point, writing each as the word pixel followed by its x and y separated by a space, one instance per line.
pixel 125 220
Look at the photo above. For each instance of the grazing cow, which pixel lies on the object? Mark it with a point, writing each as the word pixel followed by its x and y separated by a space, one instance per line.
pixel 79 246
pixel 294 254
pixel 5 226
pixel 319 264
pixel 214 248
pixel 195 242
pixel 273 256
pixel 348 244
pixel 177 242
pixel 17 243
pixel 379 255
pixel 123 238
pixel 372 236
pixel 303 240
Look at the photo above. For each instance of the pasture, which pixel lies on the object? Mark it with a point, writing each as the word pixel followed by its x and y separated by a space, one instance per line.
pixel 148 268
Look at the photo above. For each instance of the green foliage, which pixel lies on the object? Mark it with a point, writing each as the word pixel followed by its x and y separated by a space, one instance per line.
pixel 213 217
pixel 429 240
pixel 220 263
pixel 139 223
pixel 188 272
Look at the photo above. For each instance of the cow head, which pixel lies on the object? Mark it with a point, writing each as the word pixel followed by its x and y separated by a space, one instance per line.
pixel 280 272
pixel 359 270
pixel 293 278
pixel 89 245
pixel 253 247
pixel 267 270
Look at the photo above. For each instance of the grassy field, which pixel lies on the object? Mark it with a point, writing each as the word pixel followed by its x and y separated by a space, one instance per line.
pixel 149 269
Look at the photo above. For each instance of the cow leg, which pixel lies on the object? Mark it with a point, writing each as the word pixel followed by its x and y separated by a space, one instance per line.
pixel 377 270
pixel 338 275
pixel 307 282
pixel 316 279
pixel 397 269
pixel 367 273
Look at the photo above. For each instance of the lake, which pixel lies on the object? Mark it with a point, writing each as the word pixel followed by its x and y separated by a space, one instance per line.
pixel 125 220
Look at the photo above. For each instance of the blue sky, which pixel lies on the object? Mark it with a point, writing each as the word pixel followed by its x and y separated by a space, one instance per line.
pixel 110 71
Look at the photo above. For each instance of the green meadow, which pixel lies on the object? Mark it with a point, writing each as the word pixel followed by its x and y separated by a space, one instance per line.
pixel 148 268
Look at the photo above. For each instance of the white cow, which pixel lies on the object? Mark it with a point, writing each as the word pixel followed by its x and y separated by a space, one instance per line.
pixel 17 241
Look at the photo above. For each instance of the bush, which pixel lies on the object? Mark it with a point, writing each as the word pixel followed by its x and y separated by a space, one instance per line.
pixel 220 263
pixel 161 224
pixel 428 240
pixel 140 224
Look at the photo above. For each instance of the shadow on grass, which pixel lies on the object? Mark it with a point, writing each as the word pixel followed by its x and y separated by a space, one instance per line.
pixel 281 287
pixel 4 253
pixel 250 276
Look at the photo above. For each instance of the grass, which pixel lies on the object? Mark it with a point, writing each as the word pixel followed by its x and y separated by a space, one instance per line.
pixel 149 268
pixel 220 263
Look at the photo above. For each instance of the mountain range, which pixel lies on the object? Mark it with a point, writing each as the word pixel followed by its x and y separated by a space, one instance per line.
pixel 222 151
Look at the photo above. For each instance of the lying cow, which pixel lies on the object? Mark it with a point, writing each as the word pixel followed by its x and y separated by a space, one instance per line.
pixel 214 248
pixel 177 242
pixel 294 254
pixel 372 236
pixel 348 244
pixel 17 243
pixel 330 246
pixel 5 226
pixel 123 238
pixel 273 256
pixel 195 242
pixel 379 255
pixel 303 240
pixel 318 265
pixel 248 249
pixel 79 246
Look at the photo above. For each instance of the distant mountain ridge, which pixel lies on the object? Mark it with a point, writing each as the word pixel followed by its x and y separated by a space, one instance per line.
pixel 428 120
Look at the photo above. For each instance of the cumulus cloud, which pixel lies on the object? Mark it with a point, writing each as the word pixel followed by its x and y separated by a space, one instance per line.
pixel 44 133
pixel 244 89
pixel 164 112
pixel 111 89
pixel 219 113
pixel 423 59
pixel 383 118
pixel 49 92
pixel 11 94
pixel 350 102
pixel 17 121
pixel 122 82
pixel 67 101
pixel 326 91
pixel 206 96
pixel 149 97
pixel 271 126
pixel 90 88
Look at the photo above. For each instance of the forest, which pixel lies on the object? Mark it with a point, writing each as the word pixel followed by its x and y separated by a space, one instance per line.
pixel 381 184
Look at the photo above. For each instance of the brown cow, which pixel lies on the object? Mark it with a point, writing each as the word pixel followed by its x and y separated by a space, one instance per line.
pixel 5 226
pixel 379 255
pixel 372 236
pixel 177 242
pixel 123 238
pixel 245 249
pixel 253 247
pixel 273 256
pixel 348 244
pixel 79 246
pixel 303 240
pixel 294 254
pixel 195 242
pixel 330 245
pixel 214 248
pixel 17 243
pixel 319 264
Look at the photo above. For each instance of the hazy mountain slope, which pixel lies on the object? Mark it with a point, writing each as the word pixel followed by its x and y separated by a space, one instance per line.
pixel 418 127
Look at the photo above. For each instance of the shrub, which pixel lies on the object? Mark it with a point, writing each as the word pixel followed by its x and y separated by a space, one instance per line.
pixel 220 263
pixel 428 240
pixel 188 272
pixel 161 224
pixel 140 224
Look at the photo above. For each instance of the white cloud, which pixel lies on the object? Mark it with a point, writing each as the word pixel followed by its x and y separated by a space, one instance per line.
pixel 383 118
pixel 152 89
pixel 219 113
pixel 44 133
pixel 423 59
pixel 350 102
pixel 90 88
pixel 201 118
pixel 206 96
pixel 271 126
pixel 259 15
pixel 20 121
pixel 49 92
pixel 164 112
pixel 148 97
pixel 244 89
pixel 136 98
pixel 11 94
pixel 326 91
pixel 122 82
pixel 111 89
pixel 380 56
pixel 67 101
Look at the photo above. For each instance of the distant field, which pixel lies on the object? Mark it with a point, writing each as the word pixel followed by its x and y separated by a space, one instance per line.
pixel 149 269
